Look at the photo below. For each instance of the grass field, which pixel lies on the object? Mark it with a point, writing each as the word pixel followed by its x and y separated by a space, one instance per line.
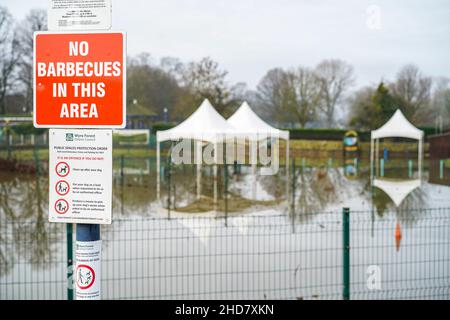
pixel 295 147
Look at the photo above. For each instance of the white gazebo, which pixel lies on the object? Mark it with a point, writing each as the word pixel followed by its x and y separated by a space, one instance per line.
pixel 396 126
pixel 203 126
pixel 248 124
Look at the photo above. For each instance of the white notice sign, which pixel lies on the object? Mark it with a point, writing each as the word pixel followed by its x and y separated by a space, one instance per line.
pixel 79 15
pixel 80 176
pixel 87 270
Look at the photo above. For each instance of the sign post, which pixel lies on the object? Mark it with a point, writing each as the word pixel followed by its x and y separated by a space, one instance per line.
pixel 80 85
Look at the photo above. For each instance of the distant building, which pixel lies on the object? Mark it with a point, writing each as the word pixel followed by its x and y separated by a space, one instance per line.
pixel 140 117
pixel 439 146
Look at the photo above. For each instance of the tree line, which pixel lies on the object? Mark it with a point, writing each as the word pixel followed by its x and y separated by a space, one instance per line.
pixel 301 96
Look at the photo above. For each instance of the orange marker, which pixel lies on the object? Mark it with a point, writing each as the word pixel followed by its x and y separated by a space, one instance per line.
pixel 398 236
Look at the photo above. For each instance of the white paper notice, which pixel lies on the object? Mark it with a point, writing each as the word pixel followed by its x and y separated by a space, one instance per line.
pixel 87 270
pixel 80 176
pixel 79 15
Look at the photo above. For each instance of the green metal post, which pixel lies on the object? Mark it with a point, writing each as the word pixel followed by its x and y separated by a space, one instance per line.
pixel 346 254
pixel 169 187
pixel 294 178
pixel 441 169
pixel 225 167
pixel 122 160
pixel 8 144
pixel 382 167
pixel 69 232
pixel 36 160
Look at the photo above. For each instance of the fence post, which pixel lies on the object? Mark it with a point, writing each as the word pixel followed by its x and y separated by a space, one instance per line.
pixel 169 173
pixel 36 160
pixel 122 160
pixel 8 142
pixel 226 190
pixel 70 282
pixel 294 178
pixel 346 253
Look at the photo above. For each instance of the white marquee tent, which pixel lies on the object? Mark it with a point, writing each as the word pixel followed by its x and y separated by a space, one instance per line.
pixel 204 125
pixel 247 123
pixel 207 125
pixel 396 126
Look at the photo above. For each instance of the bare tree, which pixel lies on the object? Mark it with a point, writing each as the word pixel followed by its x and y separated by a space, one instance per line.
pixel 334 77
pixel 36 20
pixel 150 89
pixel 440 102
pixel 307 95
pixel 8 56
pixel 290 96
pixel 272 94
pixel 204 79
pixel 412 91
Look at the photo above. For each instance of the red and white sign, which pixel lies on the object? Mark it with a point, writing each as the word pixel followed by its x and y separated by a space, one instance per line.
pixel 85 276
pixel 88 270
pixel 79 80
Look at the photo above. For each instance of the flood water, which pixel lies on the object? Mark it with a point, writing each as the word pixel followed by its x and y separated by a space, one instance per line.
pixel 269 244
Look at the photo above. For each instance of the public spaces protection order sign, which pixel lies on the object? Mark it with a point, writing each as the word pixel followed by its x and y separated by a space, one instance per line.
pixel 79 79
pixel 80 170
pixel 79 15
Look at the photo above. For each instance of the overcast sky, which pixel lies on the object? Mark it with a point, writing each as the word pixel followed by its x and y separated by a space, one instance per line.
pixel 248 37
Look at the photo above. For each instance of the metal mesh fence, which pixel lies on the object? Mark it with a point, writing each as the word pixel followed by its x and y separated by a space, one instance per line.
pixel 32 260
pixel 399 255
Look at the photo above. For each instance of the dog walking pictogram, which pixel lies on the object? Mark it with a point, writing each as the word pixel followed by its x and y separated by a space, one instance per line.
pixel 62 187
pixel 62 169
pixel 85 276
pixel 61 206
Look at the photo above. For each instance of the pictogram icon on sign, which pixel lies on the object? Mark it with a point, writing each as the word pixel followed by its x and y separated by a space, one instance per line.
pixel 62 187
pixel 61 206
pixel 85 276
pixel 62 169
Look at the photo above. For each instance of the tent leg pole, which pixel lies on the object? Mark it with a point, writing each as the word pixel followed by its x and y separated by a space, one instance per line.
pixel 199 168
pixel 371 161
pixel 158 175
pixel 216 160
pixel 215 187
pixel 287 169
pixel 419 160
pixel 254 181
pixel 377 149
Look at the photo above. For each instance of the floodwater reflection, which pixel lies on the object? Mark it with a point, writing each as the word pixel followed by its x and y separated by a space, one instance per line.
pixel 27 238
